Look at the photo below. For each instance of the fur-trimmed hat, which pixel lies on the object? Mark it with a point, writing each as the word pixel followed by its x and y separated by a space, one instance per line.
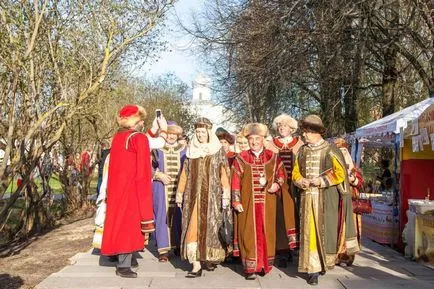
pixel 313 123
pixel 255 129
pixel 224 134
pixel 285 119
pixel 174 128
pixel 129 115
pixel 203 122
pixel 240 137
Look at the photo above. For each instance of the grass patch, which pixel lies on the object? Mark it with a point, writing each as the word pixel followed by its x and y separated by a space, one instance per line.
pixel 54 183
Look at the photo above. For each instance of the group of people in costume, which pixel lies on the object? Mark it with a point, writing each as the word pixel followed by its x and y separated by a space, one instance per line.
pixel 278 195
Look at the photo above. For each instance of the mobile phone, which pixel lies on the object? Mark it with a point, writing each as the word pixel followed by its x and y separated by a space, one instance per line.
pixel 158 113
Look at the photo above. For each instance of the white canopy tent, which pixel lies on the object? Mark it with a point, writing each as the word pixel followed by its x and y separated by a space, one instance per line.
pixel 385 131
pixel 390 131
pixel 392 123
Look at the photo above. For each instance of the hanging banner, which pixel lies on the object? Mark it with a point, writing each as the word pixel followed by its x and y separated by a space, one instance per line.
pixel 432 141
pixel 414 127
pixel 415 143
pixel 401 137
pixel 420 141
pixel 424 135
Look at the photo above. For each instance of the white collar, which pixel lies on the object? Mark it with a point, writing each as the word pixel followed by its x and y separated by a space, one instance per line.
pixel 168 145
pixel 195 149
pixel 257 154
pixel 287 139
pixel 320 142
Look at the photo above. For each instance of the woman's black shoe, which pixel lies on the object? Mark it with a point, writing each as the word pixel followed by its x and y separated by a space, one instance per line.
pixel 312 279
pixel 126 273
pixel 194 274
pixel 251 276
pixel 177 252
pixel 210 267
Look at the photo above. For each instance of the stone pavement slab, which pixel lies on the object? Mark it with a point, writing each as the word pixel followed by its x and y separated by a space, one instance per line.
pixel 375 267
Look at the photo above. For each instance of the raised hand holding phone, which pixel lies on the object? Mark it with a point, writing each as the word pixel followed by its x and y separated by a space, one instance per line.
pixel 158 113
pixel 161 120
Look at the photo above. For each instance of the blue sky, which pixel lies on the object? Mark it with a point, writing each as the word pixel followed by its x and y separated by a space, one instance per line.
pixel 180 58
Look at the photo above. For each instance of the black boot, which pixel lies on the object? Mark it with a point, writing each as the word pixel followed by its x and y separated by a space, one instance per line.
pixel 290 256
pixel 134 262
pixel 126 273
pixel 177 252
pixel 210 266
pixel 312 278
pixel 282 263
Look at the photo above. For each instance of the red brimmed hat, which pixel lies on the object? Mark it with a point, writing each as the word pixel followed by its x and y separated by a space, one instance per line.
pixel 129 115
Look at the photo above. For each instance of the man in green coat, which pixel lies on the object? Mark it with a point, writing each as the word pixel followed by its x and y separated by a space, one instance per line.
pixel 320 172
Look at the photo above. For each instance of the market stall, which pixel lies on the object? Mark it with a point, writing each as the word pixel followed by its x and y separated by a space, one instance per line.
pixel 410 133
pixel 382 224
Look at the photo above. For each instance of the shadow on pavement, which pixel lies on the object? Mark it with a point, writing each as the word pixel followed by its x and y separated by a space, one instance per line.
pixel 10 282
pixel 111 261
pixel 233 263
pixel 173 259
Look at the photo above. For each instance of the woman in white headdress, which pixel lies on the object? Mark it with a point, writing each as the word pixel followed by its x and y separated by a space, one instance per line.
pixel 204 195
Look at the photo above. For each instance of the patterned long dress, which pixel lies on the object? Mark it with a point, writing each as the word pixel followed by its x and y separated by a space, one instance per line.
pixel 202 185
pixel 168 160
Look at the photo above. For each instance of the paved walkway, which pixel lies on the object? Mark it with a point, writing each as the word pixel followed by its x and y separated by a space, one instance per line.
pixel 375 267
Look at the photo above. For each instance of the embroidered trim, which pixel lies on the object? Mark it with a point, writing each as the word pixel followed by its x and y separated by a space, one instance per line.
pixel 236 196
pixel 129 137
pixel 147 222
pixel 352 246
pixel 150 133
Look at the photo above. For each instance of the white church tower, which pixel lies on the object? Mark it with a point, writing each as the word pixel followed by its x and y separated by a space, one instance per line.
pixel 201 89
pixel 202 104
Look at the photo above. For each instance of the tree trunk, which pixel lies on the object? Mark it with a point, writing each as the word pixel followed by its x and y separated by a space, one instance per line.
pixel 390 72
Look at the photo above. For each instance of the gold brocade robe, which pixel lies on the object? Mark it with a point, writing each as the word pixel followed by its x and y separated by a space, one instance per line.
pixel 201 188
pixel 319 213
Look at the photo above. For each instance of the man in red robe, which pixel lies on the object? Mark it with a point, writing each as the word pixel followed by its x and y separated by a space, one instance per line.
pixel 257 177
pixel 129 212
